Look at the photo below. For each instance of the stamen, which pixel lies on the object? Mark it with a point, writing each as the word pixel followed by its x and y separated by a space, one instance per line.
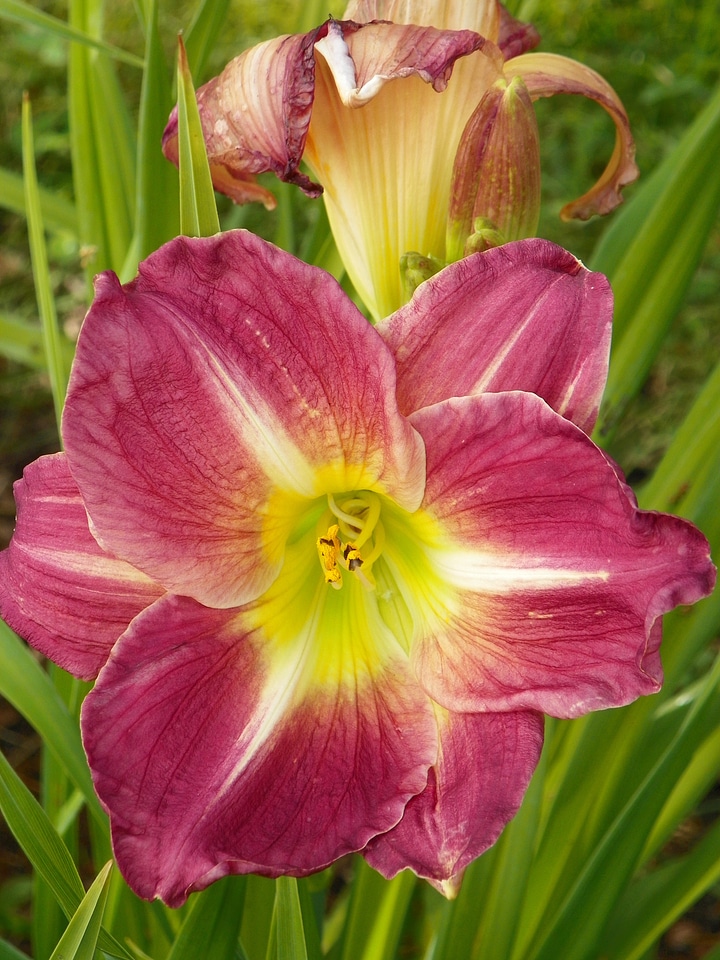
pixel 358 525
pixel 328 548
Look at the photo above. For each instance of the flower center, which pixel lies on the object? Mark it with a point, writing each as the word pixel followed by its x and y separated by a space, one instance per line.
pixel 353 540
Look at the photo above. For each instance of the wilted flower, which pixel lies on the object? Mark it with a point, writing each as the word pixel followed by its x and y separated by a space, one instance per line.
pixel 358 101
pixel 330 576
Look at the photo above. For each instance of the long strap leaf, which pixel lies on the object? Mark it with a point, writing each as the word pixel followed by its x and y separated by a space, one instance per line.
pixel 198 211
pixel 44 849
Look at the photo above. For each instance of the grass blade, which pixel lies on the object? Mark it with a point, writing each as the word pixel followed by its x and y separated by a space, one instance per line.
pixel 212 926
pixel 43 847
pixel 81 936
pixel 57 212
pixel 52 338
pixel 203 32
pixel 198 210
pixel 653 903
pixel 156 210
pixel 28 15
pixel 9 952
pixel 289 921
pixel 651 253
pixel 573 930
pixel 103 149
pixel 28 688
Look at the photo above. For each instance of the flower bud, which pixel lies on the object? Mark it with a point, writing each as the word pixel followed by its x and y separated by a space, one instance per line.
pixel 496 175
pixel 416 268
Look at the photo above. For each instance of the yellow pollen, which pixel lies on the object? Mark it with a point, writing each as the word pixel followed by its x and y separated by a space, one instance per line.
pixel 358 525
pixel 328 548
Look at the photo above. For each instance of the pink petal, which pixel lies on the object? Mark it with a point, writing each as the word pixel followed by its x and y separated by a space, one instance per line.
pixel 255 118
pixel 514 36
pixel 484 767
pixel 525 316
pixel 61 592
pixel 560 578
pixel 364 57
pixel 226 375
pixel 215 754
pixel 546 74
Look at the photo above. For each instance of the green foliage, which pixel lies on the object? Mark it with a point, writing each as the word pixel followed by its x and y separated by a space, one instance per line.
pixel 584 870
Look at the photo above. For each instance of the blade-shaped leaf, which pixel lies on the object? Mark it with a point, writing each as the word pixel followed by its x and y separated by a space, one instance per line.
pixel 650 254
pixel 695 444
pixel 9 952
pixel 57 212
pixel 377 913
pixel 578 919
pixel 156 211
pixel 81 936
pixel 654 902
pixel 28 15
pixel 52 338
pixel 102 143
pixel 26 685
pixel 203 32
pixel 212 927
pixel 289 926
pixel 43 847
pixel 198 210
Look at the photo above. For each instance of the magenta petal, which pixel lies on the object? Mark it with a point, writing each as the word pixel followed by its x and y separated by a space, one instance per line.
pixel 485 764
pixel 561 579
pixel 212 756
pixel 524 316
pixel 67 597
pixel 515 37
pixel 227 372
pixel 255 117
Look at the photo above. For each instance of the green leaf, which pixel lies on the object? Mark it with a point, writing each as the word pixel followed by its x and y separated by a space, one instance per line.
pixel 54 351
pixel 203 32
pixel 9 952
pixel 28 15
pixel 102 144
pixel 654 902
pixel 57 212
pixel 650 254
pixel 81 936
pixel 198 210
pixel 572 926
pixel 257 922
pixel 513 856
pixel 156 211
pixel 696 444
pixel 377 913
pixel 289 926
pixel 212 927
pixel 28 688
pixel 21 342
pixel 32 829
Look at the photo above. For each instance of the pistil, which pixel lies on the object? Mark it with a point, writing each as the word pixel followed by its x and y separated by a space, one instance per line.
pixel 358 524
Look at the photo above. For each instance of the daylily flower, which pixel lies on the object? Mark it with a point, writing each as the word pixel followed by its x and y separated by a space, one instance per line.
pixel 329 576
pixel 403 169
